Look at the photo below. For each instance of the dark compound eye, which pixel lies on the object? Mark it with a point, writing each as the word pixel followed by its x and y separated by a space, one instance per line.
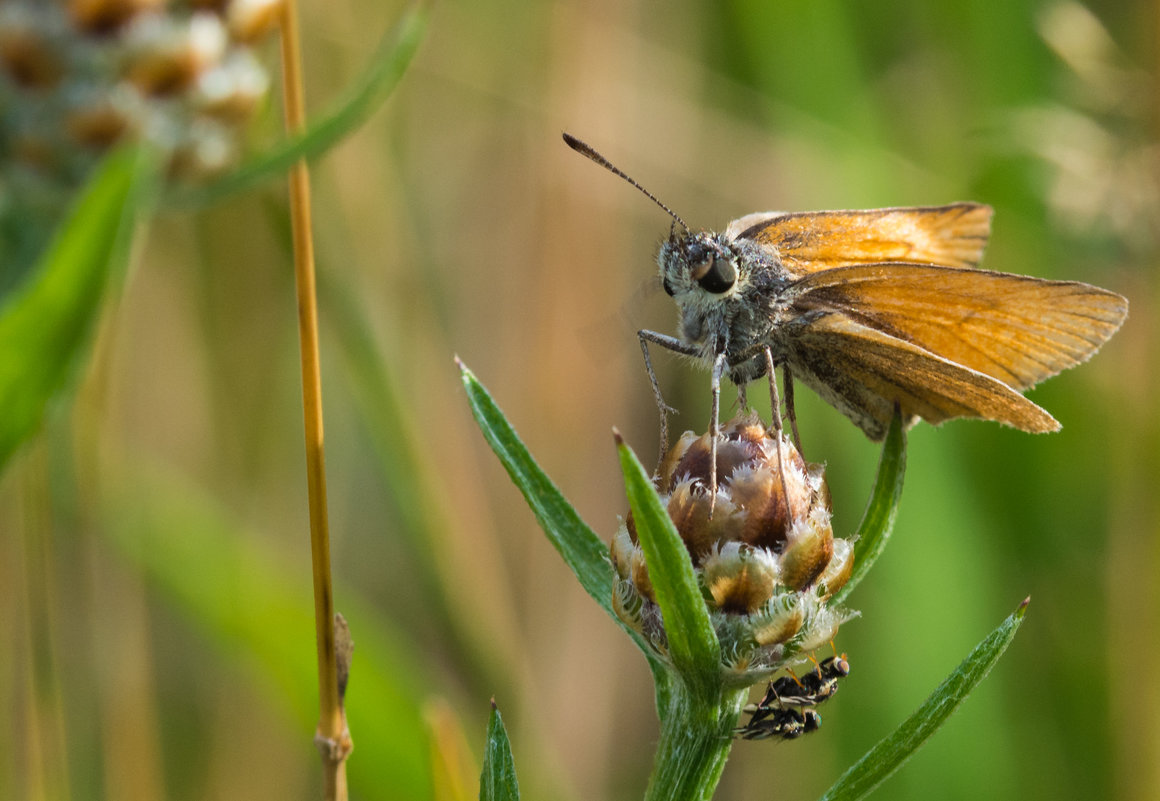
pixel 715 275
pixel 668 287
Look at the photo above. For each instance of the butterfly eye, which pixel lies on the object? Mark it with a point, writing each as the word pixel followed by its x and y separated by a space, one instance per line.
pixel 715 275
pixel 668 287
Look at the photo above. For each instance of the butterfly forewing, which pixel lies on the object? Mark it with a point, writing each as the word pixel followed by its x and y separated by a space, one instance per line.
pixel 1015 328
pixel 806 242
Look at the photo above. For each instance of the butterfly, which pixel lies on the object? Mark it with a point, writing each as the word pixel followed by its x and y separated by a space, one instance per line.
pixel 872 310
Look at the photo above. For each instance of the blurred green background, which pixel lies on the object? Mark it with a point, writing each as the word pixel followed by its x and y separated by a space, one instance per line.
pixel 155 592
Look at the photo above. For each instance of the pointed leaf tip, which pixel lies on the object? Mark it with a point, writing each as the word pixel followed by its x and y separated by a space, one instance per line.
pixel 583 551
pixel 881 761
pixel 693 642
pixel 47 321
pixel 497 780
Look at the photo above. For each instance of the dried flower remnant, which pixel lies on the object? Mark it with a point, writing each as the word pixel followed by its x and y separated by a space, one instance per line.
pixel 766 558
pixel 79 76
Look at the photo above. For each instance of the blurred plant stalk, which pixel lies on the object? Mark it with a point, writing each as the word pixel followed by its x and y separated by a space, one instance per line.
pixel 332 736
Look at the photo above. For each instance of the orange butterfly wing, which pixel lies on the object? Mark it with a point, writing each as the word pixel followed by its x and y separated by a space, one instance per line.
pixel 806 242
pixel 1015 328
pixel 863 372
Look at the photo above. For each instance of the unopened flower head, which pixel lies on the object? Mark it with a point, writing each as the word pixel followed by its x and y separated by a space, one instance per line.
pixel 765 553
pixel 77 76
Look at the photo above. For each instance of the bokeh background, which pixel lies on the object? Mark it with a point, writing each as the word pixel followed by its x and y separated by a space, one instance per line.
pixel 155 592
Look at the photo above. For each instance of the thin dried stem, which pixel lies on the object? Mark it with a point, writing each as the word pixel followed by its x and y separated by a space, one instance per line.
pixel 332 737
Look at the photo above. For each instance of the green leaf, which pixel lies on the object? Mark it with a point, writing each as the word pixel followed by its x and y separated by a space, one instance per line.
pixel 391 59
pixel 45 324
pixel 878 519
pixel 889 755
pixel 498 780
pixel 585 553
pixel 693 643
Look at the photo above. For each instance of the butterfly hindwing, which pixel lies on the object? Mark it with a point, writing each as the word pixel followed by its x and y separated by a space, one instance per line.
pixel 863 372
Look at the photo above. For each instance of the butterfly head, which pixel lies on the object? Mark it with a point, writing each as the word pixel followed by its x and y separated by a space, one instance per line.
pixel 701 265
pixel 705 276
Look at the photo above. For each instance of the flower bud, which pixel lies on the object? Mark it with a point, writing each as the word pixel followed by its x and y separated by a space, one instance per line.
pixel 764 553
pixel 250 20
pixel 78 76
pixel 101 16
pixel 166 55
pixel 26 51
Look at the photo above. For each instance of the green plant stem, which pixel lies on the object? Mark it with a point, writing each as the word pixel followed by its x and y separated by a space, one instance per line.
pixel 696 737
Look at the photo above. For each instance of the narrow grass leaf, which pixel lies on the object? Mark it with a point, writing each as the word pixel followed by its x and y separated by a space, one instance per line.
pixel 46 324
pixel 498 780
pixel 389 64
pixel 881 761
pixel 585 553
pixel 693 643
pixel 882 508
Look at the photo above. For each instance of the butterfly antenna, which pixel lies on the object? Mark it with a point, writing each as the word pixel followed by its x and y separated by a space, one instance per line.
pixel 587 150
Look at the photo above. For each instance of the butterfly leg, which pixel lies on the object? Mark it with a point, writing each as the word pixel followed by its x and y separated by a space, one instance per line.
pixel 720 365
pixel 789 410
pixel 775 414
pixel 677 346
pixel 774 400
